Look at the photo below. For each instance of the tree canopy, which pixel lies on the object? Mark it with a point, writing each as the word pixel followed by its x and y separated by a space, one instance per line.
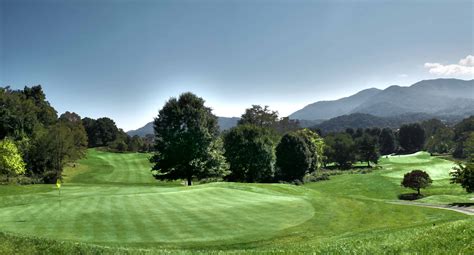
pixel 367 148
pixel 185 134
pixel 340 148
pixel 11 162
pixel 249 150
pixel 416 179
pixel 293 157
pixel 411 137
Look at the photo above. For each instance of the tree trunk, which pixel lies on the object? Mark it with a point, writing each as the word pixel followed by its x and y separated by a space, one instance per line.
pixel 368 163
pixel 419 191
pixel 190 182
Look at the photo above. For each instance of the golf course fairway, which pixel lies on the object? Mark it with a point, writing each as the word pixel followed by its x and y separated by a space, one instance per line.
pixel 110 203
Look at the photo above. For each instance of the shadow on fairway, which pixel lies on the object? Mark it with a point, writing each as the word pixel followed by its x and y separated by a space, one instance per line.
pixel 409 196
pixel 462 204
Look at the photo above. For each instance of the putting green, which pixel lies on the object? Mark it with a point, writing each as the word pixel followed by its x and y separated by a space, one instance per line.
pixel 112 198
pixel 400 165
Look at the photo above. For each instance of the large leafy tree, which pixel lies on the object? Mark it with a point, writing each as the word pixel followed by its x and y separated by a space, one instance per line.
pixel 51 150
pixel 411 137
pixel 464 175
pixel 185 133
pixel 76 133
pixel 315 145
pixel 22 112
pixel 293 157
pixel 439 137
pixel 340 148
pixel 367 149
pixel 101 132
pixel 249 150
pixel 11 162
pixel 416 180
pixel 462 131
pixel 259 116
pixel 386 141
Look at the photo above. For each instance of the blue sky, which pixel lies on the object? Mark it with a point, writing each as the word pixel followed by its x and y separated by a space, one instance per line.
pixel 124 59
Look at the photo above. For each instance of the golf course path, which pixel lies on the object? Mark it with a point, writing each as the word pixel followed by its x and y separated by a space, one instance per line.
pixel 465 210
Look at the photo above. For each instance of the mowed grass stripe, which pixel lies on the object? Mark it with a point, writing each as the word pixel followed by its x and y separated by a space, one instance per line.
pixel 112 199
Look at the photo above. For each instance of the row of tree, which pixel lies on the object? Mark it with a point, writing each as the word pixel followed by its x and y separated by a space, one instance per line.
pixel 33 140
pixel 188 145
pixel 38 144
pixel 103 132
pixel 265 148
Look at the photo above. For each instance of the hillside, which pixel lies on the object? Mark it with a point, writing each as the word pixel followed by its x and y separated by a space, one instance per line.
pixel 364 120
pixel 223 122
pixel 436 97
pixel 329 109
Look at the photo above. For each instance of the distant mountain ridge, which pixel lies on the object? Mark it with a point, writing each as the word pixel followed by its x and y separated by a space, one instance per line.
pixel 435 97
pixel 223 122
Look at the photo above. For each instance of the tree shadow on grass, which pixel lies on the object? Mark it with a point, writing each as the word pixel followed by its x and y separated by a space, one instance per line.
pixel 409 196
pixel 462 204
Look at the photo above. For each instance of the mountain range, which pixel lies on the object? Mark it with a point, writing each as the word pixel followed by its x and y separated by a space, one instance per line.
pixel 435 97
pixel 446 99
pixel 224 124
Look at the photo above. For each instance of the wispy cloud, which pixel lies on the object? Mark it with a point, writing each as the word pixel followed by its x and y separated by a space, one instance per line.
pixel 403 75
pixel 464 67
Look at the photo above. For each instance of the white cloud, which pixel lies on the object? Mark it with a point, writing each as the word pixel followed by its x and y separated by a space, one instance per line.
pixel 403 75
pixel 465 67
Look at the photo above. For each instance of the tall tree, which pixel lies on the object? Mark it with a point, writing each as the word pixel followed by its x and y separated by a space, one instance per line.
pixel 72 121
pixel 367 149
pixel 315 145
pixel 250 152
pixel 462 131
pixel 259 116
pixel 386 141
pixel 185 129
pixel 411 137
pixel 464 175
pixel 293 157
pixel 340 148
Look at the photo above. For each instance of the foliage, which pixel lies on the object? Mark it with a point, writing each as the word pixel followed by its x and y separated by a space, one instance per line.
pixel 293 157
pixel 53 148
pixel 184 130
pixel 249 150
pixel 439 137
pixel 22 112
pixel 462 131
pixel 411 137
pixel 464 175
pixel 416 179
pixel 367 148
pixel 11 162
pixel 316 146
pixel 259 116
pixel 340 148
pixel 386 141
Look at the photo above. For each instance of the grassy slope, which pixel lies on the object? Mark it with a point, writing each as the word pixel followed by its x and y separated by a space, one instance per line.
pixel 347 213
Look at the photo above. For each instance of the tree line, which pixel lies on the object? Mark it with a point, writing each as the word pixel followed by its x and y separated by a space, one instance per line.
pixel 36 144
pixel 266 148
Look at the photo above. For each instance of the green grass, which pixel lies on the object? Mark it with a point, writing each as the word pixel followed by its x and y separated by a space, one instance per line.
pixel 110 203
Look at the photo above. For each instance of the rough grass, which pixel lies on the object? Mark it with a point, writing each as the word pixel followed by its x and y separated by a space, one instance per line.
pixel 110 204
